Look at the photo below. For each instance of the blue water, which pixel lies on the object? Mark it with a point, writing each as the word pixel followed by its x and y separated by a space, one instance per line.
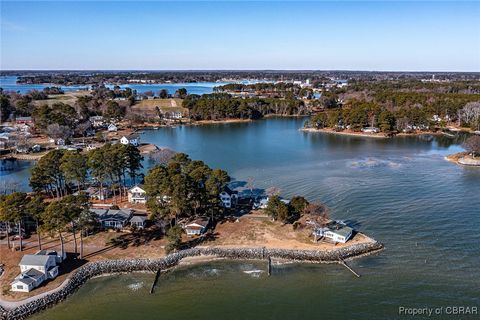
pixel 400 191
pixel 9 84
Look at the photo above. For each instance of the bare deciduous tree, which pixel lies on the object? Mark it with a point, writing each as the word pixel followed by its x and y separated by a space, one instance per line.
pixel 317 212
pixel 162 156
pixel 470 114
pixel 251 185
pixel 57 131
pixel 272 191
pixel 472 145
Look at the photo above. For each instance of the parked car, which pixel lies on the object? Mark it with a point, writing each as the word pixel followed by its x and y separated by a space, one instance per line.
pixel 17 237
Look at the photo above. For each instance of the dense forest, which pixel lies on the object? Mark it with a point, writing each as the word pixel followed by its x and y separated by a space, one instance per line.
pixel 223 106
pixel 400 106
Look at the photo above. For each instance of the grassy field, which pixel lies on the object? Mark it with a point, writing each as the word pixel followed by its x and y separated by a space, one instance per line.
pixel 148 107
pixel 163 104
pixel 67 98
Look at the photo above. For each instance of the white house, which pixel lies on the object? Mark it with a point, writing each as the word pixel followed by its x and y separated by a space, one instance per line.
pixel 132 139
pixel 97 121
pixel 370 130
pixel 261 203
pixel 35 269
pixel 334 231
pixel 197 226
pixel 173 115
pixel 228 197
pixel 137 195
pixel 112 127
pixel 27 281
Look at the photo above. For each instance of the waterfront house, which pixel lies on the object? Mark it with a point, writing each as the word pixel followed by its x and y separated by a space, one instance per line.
pixel 98 194
pixel 172 115
pixel 138 221
pixel 24 120
pixel 228 197
pixel 35 269
pixel 334 231
pixel 96 121
pixel 27 281
pixel 370 130
pixel 137 195
pixel 260 203
pixel 196 227
pixel 112 127
pixel 112 218
pixel 22 149
pixel 132 139
pixel 58 142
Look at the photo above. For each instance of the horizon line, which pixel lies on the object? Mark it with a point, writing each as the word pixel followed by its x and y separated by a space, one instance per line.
pixel 237 70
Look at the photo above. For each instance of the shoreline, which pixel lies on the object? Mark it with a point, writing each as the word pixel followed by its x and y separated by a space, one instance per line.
pixel 24 308
pixel 369 135
pixel 348 133
pixel 461 158
pixel 221 121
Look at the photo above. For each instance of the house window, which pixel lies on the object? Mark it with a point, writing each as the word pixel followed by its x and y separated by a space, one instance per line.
pixel 19 286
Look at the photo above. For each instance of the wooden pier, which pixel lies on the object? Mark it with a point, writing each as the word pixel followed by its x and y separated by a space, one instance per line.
pixel 350 269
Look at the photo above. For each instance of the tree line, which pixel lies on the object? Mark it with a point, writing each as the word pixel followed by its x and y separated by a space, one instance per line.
pixel 223 106
pixel 357 114
pixel 184 188
pixel 60 172
pixel 70 214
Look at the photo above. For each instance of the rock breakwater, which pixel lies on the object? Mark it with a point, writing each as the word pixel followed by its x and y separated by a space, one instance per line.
pixel 93 269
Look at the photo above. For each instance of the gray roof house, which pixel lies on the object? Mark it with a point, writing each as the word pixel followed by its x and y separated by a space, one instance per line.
pixel 334 231
pixel 138 221
pixel 112 218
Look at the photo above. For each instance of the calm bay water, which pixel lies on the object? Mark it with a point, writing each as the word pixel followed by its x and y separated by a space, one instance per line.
pixel 10 84
pixel 400 191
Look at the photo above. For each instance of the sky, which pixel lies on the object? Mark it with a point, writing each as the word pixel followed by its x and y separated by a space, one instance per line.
pixel 201 35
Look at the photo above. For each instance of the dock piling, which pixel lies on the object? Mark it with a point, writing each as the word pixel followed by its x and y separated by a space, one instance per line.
pixel 269 266
pixel 157 275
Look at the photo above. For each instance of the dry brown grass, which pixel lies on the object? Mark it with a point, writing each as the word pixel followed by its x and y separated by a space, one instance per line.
pixel 67 98
pixel 148 107
pixel 251 230
pixel 100 246
pixel 257 230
